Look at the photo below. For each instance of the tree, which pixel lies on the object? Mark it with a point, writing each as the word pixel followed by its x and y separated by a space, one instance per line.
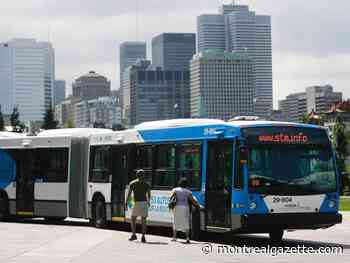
pixel 49 120
pixel 2 123
pixel 69 124
pixel 118 127
pixel 16 124
pixel 312 118
pixel 340 143
pixel 99 124
pixel 305 119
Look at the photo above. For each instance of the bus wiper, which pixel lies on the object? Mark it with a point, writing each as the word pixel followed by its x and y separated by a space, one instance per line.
pixel 269 179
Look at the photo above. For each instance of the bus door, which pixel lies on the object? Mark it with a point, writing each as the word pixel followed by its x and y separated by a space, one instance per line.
pixel 219 183
pixel 24 182
pixel 119 181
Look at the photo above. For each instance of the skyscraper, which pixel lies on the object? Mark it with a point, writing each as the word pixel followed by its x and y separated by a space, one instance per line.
pixel 237 28
pixel 59 91
pixel 222 85
pixel 211 32
pixel 155 94
pixel 91 86
pixel 27 73
pixel 129 53
pixel 173 51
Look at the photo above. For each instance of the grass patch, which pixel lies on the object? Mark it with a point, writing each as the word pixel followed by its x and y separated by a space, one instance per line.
pixel 344 204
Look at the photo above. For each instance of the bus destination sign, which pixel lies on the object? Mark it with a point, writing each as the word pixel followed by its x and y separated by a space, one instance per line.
pixel 284 138
pixel 285 135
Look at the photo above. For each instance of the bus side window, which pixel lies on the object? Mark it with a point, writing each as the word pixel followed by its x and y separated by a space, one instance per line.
pixel 51 165
pixel 144 160
pixel 100 164
pixel 189 164
pixel 165 171
pixel 241 161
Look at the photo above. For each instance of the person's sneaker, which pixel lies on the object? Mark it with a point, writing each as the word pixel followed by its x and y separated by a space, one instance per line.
pixel 132 238
pixel 143 239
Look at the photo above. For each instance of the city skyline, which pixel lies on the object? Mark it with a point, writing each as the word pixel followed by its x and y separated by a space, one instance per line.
pixel 303 54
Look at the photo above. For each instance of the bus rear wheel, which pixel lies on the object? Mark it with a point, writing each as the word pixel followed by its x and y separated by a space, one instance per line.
pixel 99 213
pixel 4 207
pixel 196 232
pixel 276 236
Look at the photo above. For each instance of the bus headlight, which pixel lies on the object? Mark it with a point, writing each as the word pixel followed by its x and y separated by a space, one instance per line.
pixel 252 206
pixel 332 204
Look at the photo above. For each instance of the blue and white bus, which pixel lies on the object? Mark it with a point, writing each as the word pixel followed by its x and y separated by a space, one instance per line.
pixel 250 176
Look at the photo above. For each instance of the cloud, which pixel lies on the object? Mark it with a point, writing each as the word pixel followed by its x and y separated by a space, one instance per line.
pixel 310 38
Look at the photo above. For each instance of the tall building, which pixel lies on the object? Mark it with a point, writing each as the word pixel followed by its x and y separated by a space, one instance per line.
pixel 173 51
pixel 294 107
pixel 101 111
pixel 237 28
pixel 27 73
pixel 321 98
pixel 59 93
pixel 91 86
pixel 315 99
pixel 65 111
pixel 155 94
pixel 211 32
pixel 222 85
pixel 129 53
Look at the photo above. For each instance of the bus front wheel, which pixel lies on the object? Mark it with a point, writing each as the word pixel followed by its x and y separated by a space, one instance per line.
pixel 276 236
pixel 4 207
pixel 99 214
pixel 196 232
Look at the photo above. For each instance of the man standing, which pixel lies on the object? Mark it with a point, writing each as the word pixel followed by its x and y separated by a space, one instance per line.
pixel 142 197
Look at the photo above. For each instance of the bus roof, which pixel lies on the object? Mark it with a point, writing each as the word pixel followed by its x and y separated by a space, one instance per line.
pixel 176 123
pixel 243 124
pixel 12 135
pixel 76 132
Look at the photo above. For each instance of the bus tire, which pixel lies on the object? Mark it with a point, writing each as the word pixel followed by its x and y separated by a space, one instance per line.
pixel 55 219
pixel 4 206
pixel 276 236
pixel 99 213
pixel 196 232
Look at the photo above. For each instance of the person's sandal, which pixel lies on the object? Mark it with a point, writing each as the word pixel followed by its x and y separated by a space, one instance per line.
pixel 143 239
pixel 133 237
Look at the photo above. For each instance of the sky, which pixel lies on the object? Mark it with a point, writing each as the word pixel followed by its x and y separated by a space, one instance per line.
pixel 311 39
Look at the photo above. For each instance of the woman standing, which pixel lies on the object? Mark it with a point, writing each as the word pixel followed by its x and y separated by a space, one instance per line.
pixel 181 210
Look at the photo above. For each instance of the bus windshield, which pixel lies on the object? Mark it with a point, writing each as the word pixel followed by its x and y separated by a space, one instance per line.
pixel 291 169
pixel 290 160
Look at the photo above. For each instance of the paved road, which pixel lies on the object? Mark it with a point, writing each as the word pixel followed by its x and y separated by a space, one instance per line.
pixel 37 241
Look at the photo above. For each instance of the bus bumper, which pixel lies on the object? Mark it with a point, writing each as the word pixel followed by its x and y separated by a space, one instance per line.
pixel 262 223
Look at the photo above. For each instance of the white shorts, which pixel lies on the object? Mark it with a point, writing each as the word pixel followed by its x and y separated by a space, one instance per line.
pixel 140 209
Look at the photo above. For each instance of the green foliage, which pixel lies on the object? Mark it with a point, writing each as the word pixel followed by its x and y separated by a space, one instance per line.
pixel 98 124
pixel 305 119
pixel 308 120
pixel 118 127
pixel 69 124
pixel 344 204
pixel 49 122
pixel 340 142
pixel 16 124
pixel 2 123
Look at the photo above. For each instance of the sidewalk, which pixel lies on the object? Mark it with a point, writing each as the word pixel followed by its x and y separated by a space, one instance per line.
pixel 346 215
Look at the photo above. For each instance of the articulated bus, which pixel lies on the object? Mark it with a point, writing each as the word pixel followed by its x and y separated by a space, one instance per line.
pixel 44 176
pixel 249 176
